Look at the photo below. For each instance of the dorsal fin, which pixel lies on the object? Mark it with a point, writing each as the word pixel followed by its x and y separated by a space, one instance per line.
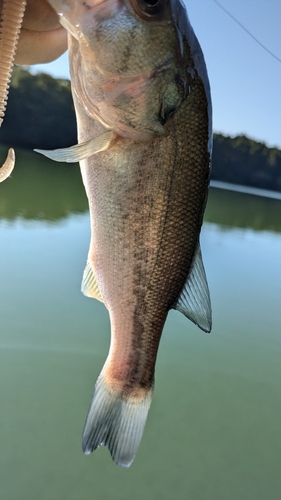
pixel 89 284
pixel 194 301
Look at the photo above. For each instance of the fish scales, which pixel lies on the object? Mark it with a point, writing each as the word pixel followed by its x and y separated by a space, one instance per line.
pixel 142 101
pixel 149 240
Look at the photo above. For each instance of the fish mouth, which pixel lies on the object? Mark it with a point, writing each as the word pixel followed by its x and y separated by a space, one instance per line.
pixel 102 8
pixel 96 3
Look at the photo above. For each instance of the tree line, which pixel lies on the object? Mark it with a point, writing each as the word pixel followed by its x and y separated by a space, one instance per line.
pixel 40 114
pixel 243 161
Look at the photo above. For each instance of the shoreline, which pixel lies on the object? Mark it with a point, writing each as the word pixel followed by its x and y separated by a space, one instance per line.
pixel 265 193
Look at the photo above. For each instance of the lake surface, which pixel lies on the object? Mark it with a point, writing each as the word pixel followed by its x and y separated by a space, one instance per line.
pixel 213 431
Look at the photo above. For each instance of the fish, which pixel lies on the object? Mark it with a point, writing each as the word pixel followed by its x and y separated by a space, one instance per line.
pixel 142 100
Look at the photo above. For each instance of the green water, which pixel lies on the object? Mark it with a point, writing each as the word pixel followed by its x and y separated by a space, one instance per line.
pixel 213 432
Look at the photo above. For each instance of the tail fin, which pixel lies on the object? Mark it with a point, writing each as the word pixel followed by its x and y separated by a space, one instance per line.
pixel 116 422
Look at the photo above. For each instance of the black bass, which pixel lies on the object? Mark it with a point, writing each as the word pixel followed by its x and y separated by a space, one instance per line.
pixel 143 107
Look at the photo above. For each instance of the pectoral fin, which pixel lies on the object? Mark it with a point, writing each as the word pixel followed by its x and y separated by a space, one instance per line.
pixel 194 301
pixel 80 151
pixel 89 284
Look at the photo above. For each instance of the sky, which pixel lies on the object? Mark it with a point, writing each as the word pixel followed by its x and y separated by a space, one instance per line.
pixel 245 79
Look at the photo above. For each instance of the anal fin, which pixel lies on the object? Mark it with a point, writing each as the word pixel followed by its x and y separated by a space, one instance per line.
pixel 89 283
pixel 194 301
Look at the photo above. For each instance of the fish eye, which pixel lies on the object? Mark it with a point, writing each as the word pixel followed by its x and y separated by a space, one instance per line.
pixel 151 3
pixel 149 9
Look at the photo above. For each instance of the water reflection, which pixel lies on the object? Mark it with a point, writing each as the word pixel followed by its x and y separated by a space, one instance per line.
pixel 41 189
pixel 234 209
pixel 213 428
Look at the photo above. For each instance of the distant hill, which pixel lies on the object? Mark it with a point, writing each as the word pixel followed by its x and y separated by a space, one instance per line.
pixel 40 114
pixel 241 160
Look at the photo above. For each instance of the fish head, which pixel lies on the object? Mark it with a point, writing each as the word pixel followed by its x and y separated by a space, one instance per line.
pixel 130 61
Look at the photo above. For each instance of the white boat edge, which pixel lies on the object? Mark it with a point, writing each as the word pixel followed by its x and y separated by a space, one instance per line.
pixel 246 189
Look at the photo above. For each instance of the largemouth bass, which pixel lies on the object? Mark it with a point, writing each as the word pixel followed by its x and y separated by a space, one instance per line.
pixel 143 108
